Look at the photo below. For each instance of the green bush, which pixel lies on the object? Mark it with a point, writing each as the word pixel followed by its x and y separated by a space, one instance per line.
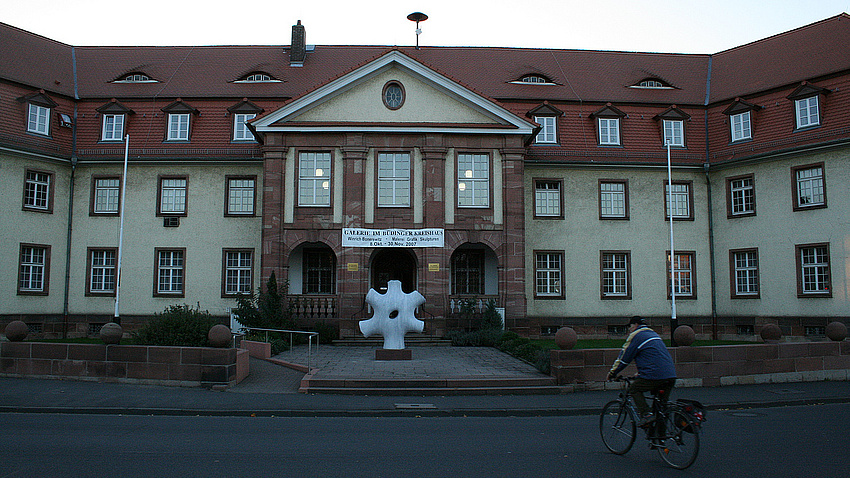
pixel 266 310
pixel 477 338
pixel 327 333
pixel 178 325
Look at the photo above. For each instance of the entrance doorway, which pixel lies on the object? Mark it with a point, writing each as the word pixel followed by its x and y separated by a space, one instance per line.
pixel 394 264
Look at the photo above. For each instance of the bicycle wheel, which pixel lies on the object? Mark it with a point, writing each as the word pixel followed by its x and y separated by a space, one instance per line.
pixel 679 444
pixel 617 427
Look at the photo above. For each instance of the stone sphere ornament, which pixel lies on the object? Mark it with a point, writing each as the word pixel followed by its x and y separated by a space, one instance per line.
pixel 111 333
pixel 684 335
pixel 17 331
pixel 219 336
pixel 771 333
pixel 836 331
pixel 566 338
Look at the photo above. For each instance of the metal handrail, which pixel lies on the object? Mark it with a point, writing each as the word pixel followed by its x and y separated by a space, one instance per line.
pixel 291 333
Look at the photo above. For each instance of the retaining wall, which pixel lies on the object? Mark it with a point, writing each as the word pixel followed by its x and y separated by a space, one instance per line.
pixel 181 366
pixel 718 365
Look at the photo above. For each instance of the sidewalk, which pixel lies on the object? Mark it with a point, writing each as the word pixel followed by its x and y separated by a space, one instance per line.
pixel 271 390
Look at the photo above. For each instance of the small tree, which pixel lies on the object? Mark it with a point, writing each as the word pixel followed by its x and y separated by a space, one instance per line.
pixel 266 310
pixel 491 319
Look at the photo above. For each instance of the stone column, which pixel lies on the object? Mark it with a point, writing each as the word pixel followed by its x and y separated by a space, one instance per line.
pixel 273 255
pixel 353 285
pixel 513 272
pixel 434 285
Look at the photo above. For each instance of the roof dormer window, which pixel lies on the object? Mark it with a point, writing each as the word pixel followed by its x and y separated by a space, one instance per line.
pixel 135 78
pixel 652 84
pixel 533 80
pixel 258 77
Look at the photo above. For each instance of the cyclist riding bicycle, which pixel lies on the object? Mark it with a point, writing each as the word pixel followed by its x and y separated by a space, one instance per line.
pixel 656 371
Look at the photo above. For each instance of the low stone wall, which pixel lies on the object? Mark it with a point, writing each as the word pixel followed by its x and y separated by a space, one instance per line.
pixel 718 365
pixel 180 366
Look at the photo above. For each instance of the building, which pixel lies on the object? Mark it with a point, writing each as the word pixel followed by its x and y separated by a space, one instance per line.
pixel 535 178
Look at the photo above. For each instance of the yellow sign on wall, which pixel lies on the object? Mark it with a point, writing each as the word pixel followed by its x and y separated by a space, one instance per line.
pixel 353 267
pixel 433 267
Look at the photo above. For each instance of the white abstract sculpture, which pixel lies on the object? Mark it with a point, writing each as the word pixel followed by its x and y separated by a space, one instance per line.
pixel 392 315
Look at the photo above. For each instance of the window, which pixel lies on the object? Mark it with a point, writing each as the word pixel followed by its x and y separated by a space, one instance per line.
pixel 744 273
pixel 651 83
pixel 169 272
pixel 241 195
pixel 240 127
pixel 609 131
pixel 39 119
pixel 258 78
pixel 468 272
pixel 113 128
pixel 178 127
pixel 319 271
pixel 674 132
pixel 102 267
pixel 548 129
pixel 613 199
pixel 810 188
pixel 136 78
pixel 741 128
pixel 548 199
pixel 473 184
pixel 807 112
pixel 548 274
pixel 38 191
pixel 172 196
pixel 106 194
pixel 34 269
pixel 684 276
pixel 533 80
pixel 394 179
pixel 615 271
pixel 238 272
pixel 314 179
pixel 393 95
pixel 740 196
pixel 813 270
pixel 679 200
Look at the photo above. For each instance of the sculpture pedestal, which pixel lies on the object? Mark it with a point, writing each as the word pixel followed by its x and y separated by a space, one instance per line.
pixel 393 354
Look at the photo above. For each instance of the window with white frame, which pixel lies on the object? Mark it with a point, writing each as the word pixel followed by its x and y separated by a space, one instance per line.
pixel 178 126
pixel 38 119
pixel 240 127
pixel 741 127
pixel 683 274
pixel 548 129
pixel 809 190
pixel 678 200
pixel 741 196
pixel 172 196
pixel 615 274
pixel 609 131
pixel 33 269
pixel 547 198
pixel 674 132
pixel 394 179
pixel 113 127
pixel 169 272
pixel 613 199
pixel 548 274
pixel 241 195
pixel 106 193
pixel 314 179
pixel 807 112
pixel 38 193
pixel 473 183
pixel 744 266
pixel 238 272
pixel 102 265
pixel 813 270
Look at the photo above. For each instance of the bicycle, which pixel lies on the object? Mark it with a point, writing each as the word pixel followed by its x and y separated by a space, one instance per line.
pixel 674 432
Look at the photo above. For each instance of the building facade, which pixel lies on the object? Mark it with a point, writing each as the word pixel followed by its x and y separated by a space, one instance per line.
pixel 533 178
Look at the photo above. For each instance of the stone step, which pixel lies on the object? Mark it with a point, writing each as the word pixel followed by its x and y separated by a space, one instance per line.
pixel 436 386
pixel 409 341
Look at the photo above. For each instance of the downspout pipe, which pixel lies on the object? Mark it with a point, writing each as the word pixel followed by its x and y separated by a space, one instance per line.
pixel 66 298
pixel 707 167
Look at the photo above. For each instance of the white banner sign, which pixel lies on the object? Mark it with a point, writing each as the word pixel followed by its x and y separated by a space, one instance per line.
pixel 352 237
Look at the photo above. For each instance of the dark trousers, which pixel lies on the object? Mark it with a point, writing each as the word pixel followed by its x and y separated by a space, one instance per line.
pixel 641 385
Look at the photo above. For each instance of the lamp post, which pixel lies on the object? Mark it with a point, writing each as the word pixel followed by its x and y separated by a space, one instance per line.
pixel 674 321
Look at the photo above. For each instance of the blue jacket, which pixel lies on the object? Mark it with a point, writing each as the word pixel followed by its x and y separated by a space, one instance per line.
pixel 647 349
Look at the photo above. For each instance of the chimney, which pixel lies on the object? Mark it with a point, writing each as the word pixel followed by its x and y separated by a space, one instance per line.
pixel 298 47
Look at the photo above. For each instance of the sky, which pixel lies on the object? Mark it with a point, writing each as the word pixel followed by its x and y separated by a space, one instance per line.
pixel 621 25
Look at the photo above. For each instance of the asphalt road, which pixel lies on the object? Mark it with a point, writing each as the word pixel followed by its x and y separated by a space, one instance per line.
pixel 767 442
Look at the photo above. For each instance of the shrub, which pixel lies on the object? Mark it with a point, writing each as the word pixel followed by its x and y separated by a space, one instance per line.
pixel 178 325
pixel 266 309
pixel 327 333
pixel 490 319
pixel 477 338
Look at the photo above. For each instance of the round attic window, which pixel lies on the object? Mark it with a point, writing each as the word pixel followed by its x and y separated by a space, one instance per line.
pixel 393 95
